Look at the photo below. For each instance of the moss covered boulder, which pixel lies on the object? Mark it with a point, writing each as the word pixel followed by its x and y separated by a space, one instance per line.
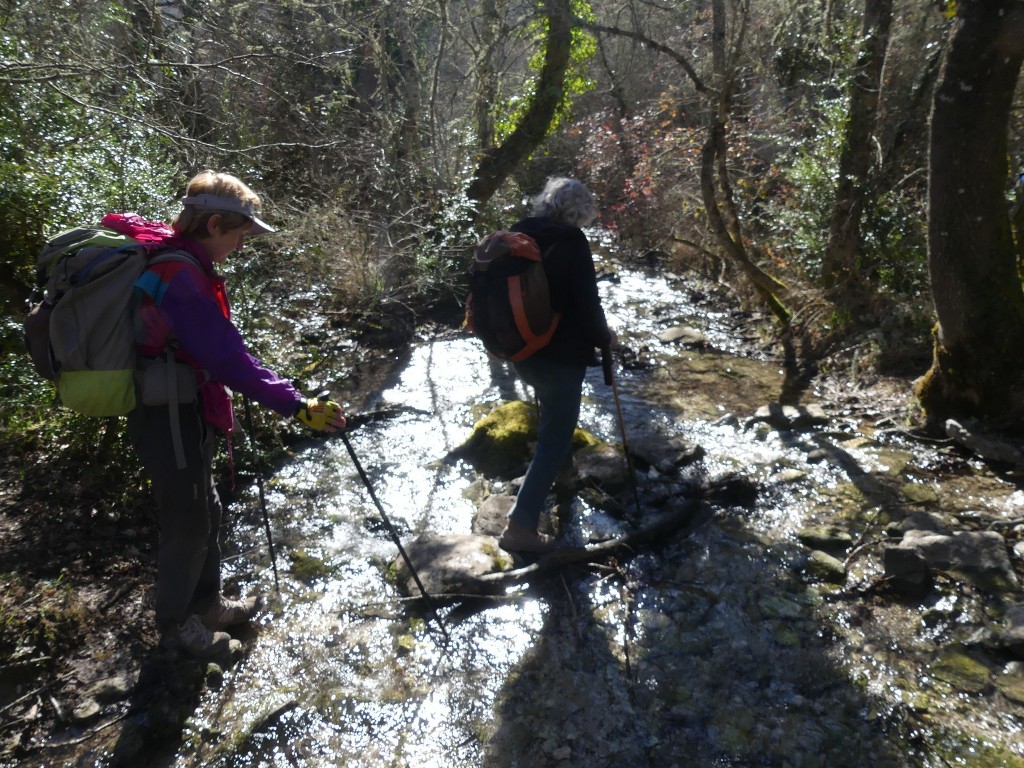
pixel 501 443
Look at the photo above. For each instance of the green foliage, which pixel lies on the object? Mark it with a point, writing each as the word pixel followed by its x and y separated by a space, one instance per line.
pixel 577 78
pixel 90 455
pixel 802 213
pixel 799 213
pixel 63 163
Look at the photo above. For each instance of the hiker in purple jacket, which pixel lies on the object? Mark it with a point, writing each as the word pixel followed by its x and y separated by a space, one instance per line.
pixel 557 370
pixel 184 309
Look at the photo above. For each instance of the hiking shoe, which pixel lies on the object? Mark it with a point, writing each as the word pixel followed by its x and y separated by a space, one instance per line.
pixel 196 640
pixel 226 612
pixel 519 538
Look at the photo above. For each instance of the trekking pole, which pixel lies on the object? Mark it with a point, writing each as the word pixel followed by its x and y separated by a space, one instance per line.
pixel 263 498
pixel 609 378
pixel 394 536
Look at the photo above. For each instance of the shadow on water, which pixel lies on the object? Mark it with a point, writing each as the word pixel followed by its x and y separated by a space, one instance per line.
pixel 706 651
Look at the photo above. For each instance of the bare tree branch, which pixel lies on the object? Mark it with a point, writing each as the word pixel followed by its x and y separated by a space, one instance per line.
pixel 652 44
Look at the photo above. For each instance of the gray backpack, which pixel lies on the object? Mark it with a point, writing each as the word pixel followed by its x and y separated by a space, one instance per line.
pixel 80 327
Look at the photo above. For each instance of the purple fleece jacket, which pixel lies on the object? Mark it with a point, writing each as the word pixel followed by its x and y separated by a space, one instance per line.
pixel 189 304
pixel 213 344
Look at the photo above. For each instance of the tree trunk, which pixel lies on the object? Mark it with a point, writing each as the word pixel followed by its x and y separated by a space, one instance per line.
pixel 486 75
pixel 840 269
pixel 497 163
pixel 978 365
pixel 716 191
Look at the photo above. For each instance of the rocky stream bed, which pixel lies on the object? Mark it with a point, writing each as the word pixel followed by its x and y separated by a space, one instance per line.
pixel 827 587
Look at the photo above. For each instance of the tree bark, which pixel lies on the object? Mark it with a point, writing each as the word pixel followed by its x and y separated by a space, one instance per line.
pixel 486 75
pixel 978 364
pixel 716 191
pixel 497 163
pixel 840 268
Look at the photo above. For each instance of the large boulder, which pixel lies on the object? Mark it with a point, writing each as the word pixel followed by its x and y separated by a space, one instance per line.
pixel 979 557
pixel 501 443
pixel 449 564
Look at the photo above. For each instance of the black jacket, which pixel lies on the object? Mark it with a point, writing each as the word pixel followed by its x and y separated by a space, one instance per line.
pixel 573 283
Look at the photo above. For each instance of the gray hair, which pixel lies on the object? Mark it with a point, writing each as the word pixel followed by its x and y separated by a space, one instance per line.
pixel 565 200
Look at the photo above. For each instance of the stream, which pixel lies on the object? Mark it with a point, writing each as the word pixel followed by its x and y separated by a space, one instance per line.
pixel 722 646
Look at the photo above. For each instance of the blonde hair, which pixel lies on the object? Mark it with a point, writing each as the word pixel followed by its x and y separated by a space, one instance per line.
pixel 192 220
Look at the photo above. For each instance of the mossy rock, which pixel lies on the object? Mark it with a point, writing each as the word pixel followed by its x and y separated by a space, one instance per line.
pixel 308 568
pixel 1012 686
pixel 956 667
pixel 501 443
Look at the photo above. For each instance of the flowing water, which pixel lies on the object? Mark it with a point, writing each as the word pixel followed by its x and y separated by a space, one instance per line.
pixel 714 648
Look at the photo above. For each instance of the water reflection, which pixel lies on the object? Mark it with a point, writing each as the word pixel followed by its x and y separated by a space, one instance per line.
pixel 709 652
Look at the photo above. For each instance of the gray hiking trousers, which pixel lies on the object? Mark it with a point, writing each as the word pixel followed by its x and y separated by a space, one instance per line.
pixel 188 509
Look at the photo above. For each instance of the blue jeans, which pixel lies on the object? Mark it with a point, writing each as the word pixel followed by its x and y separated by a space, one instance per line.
pixel 559 389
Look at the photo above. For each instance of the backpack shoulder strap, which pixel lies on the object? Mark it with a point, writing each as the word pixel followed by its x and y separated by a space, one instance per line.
pixel 177 254
pixel 152 283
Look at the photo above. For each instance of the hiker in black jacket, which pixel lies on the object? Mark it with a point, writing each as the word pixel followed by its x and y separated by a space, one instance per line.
pixel 556 372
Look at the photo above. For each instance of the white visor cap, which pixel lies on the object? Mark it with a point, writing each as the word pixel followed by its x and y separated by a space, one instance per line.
pixel 233 205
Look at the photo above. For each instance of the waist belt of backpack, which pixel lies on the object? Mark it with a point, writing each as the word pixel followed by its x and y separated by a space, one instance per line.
pixel 173 411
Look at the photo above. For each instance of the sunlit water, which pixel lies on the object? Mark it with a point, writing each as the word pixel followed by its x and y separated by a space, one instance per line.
pixel 342 674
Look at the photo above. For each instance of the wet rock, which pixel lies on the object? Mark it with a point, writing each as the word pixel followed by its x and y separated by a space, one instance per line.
pixel 1010 637
pixel 664 452
pixel 308 568
pixel 989 448
pixel 786 476
pixel 491 516
pixel 774 606
pixel 920 521
pixel 603 501
pixel 131 742
pixel 683 334
pixel 604 466
pixel 782 416
pixel 730 489
pixel 919 493
pixel 821 565
pixel 907 571
pixel 728 420
pixel 961 670
pixel 818 456
pixel 478 490
pixel 87 711
pixel 110 689
pixel 978 556
pixel 1011 683
pixel 828 538
pixel 448 563
pixel 214 676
